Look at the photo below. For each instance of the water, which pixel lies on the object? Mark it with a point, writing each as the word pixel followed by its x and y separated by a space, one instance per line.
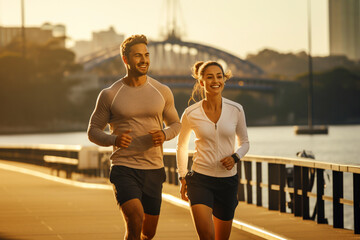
pixel 341 145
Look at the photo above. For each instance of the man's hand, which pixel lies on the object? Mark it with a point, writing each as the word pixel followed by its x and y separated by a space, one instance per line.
pixel 228 162
pixel 124 139
pixel 158 137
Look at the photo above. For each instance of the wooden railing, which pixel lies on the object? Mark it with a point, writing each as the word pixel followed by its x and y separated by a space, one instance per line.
pixel 95 161
pixel 302 169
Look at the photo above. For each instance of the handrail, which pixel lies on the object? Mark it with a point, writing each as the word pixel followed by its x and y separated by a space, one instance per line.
pixel 303 162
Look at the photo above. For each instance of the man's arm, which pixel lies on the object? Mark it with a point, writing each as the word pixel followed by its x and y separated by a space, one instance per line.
pixel 98 121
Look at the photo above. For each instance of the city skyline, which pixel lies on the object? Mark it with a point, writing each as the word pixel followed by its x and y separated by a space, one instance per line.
pixel 239 27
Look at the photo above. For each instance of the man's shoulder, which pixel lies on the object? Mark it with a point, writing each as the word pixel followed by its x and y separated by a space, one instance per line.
pixel 157 84
pixel 110 91
pixel 162 88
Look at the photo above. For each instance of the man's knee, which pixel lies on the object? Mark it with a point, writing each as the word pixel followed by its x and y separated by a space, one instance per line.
pixel 133 215
pixel 149 226
pixel 148 235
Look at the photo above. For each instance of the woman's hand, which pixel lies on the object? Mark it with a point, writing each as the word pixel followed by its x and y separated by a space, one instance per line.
pixel 228 162
pixel 183 190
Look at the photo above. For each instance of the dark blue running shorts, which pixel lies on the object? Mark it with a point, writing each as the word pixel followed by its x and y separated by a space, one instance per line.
pixel 220 194
pixel 145 185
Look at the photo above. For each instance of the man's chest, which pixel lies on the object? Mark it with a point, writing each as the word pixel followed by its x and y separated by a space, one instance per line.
pixel 138 103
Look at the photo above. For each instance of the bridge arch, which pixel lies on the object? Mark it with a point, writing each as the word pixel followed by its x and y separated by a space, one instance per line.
pixel 176 58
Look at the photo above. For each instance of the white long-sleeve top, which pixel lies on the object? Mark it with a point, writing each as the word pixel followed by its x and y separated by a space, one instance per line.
pixel 213 141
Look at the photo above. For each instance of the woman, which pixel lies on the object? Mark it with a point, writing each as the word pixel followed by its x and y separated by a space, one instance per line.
pixel 212 184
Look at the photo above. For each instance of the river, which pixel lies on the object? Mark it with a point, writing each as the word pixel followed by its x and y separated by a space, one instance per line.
pixel 341 145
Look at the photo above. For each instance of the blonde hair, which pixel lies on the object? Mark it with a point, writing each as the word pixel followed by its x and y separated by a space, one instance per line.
pixel 198 70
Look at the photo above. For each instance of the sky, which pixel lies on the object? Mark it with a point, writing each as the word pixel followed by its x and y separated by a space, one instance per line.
pixel 240 27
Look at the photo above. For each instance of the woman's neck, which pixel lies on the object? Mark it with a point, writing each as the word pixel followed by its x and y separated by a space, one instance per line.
pixel 212 103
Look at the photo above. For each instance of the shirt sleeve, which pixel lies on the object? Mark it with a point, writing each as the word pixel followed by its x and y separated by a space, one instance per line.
pixel 242 136
pixel 171 117
pixel 98 121
pixel 182 147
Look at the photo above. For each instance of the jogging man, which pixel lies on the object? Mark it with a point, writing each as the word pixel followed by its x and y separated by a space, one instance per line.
pixel 136 107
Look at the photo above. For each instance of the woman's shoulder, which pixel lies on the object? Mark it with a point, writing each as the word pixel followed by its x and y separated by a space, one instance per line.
pixel 232 104
pixel 190 109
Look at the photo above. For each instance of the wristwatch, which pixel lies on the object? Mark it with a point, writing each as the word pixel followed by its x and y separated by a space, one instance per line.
pixel 236 157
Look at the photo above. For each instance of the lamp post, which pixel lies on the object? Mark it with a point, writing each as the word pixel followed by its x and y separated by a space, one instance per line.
pixel 23 29
pixel 310 89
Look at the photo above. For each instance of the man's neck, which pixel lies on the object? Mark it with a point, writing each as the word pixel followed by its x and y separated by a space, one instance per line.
pixel 134 81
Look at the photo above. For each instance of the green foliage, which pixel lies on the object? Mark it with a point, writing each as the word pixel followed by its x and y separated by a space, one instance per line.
pixel 289 65
pixel 336 96
pixel 33 90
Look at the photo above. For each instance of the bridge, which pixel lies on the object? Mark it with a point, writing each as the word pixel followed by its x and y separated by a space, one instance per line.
pixel 172 59
pixel 176 57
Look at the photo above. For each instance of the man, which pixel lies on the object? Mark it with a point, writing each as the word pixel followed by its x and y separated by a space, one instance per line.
pixel 136 108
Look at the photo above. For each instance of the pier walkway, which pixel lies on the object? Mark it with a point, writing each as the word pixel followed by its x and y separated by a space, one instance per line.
pixel 36 208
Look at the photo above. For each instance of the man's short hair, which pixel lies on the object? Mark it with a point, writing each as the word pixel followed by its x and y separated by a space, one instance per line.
pixel 131 41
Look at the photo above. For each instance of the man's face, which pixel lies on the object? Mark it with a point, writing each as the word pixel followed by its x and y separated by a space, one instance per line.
pixel 138 60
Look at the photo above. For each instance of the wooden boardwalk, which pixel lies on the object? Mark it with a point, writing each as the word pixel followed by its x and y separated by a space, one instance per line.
pixel 35 208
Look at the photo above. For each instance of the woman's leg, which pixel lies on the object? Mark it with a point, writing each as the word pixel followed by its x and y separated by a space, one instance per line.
pixel 203 221
pixel 222 228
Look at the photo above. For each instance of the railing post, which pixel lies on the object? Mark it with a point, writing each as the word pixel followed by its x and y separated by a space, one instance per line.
pixel 248 176
pixel 320 206
pixel 273 174
pixel 258 182
pixel 356 187
pixel 170 163
pixel 282 180
pixel 241 193
pixel 297 186
pixel 305 187
pixel 338 208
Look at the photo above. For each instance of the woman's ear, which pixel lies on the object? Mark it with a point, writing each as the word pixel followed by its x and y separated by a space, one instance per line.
pixel 201 83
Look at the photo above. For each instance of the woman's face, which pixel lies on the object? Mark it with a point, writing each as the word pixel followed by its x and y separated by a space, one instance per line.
pixel 213 80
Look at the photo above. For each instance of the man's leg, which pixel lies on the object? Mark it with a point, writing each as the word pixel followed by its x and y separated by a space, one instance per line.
pixel 149 226
pixel 133 213
pixel 151 201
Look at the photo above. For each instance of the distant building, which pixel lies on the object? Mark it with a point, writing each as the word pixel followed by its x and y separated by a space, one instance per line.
pixel 38 35
pixel 344 28
pixel 100 40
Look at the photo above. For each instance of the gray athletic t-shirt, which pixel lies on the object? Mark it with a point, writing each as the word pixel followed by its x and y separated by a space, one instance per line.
pixel 139 109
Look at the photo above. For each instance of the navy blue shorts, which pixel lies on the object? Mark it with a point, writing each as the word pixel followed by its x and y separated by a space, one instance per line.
pixel 220 194
pixel 145 185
